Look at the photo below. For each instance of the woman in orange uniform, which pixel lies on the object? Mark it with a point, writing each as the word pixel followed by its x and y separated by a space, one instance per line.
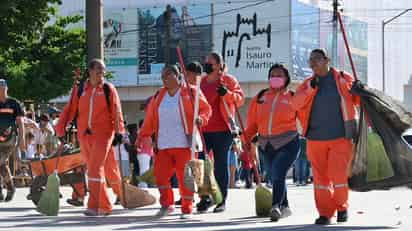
pixel 100 123
pixel 271 115
pixel 169 119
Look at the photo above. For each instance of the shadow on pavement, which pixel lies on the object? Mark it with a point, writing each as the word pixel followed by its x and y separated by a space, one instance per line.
pixel 312 227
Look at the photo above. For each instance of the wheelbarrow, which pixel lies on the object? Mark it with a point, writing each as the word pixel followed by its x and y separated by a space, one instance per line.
pixel 71 170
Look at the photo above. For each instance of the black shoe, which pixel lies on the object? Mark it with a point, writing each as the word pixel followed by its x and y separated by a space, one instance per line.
pixel 117 202
pixel 1 196
pixel 342 216
pixel 322 221
pixel 220 208
pixel 178 202
pixel 204 205
pixel 275 213
pixel 10 195
pixel 75 202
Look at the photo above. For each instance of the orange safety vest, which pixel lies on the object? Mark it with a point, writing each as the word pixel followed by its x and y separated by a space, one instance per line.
pixel 186 108
pixel 270 114
pixel 305 94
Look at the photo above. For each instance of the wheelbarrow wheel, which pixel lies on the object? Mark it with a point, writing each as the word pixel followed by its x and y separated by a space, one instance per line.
pixel 37 187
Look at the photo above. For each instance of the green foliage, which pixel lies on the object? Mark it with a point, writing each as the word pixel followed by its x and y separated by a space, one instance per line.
pixel 36 57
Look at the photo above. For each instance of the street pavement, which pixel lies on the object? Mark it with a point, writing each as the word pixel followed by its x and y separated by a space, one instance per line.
pixel 377 210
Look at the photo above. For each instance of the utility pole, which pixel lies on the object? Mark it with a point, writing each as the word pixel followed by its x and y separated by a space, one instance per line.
pixel 384 23
pixel 168 25
pixel 94 29
pixel 335 5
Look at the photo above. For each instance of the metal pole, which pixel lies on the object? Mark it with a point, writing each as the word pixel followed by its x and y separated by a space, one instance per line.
pixel 335 35
pixel 94 29
pixel 383 56
pixel 384 23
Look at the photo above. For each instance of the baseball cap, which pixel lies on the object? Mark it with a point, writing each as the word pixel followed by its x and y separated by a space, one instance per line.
pixel 3 83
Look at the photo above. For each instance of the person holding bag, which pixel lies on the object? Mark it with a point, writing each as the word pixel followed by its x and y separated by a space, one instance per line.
pixel 271 115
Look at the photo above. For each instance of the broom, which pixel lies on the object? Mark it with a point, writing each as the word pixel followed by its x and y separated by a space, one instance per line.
pixel 132 196
pixel 194 169
pixel 263 195
pixel 49 199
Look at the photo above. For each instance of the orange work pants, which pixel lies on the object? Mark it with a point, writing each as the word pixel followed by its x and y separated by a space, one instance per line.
pixel 167 161
pixel 79 191
pixel 330 162
pixel 101 165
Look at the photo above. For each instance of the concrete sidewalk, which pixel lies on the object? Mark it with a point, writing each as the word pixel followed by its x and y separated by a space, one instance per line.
pixel 381 210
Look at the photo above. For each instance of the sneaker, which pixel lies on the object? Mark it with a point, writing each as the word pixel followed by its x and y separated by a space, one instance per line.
pixel 275 213
pixel 220 208
pixel 164 211
pixel 94 213
pixel 204 205
pixel 322 220
pixel 285 212
pixel 185 216
pixel 10 195
pixel 342 216
pixel 75 202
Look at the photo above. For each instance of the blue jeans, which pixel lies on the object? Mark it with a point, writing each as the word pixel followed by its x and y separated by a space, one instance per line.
pixel 301 170
pixel 220 143
pixel 278 162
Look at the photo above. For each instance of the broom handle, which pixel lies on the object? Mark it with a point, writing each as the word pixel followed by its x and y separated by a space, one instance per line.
pixel 59 152
pixel 182 65
pixel 196 114
pixel 254 168
pixel 345 39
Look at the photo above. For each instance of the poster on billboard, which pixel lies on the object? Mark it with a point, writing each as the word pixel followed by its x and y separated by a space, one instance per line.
pixel 253 38
pixel 120 45
pixel 189 29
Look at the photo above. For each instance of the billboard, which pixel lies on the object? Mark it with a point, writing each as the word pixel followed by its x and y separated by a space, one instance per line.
pixel 120 45
pixel 253 38
pixel 188 28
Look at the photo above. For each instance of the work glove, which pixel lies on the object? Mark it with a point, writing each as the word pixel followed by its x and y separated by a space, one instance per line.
pixel 117 139
pixel 314 83
pixel 221 90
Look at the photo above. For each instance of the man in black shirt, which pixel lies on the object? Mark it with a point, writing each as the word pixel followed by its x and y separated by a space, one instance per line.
pixel 11 124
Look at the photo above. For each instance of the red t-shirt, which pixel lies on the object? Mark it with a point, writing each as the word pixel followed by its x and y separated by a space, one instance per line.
pixel 216 122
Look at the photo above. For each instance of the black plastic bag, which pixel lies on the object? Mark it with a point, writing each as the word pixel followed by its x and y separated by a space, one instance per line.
pixel 383 159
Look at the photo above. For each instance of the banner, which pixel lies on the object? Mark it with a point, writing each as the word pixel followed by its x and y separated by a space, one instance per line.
pixel 188 29
pixel 120 45
pixel 253 38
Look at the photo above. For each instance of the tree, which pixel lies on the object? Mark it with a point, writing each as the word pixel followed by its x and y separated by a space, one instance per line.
pixel 36 57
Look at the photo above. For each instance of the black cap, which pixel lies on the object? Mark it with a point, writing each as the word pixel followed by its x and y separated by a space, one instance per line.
pixel 195 67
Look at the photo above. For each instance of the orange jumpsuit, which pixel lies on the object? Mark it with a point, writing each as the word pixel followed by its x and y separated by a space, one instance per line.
pixel 95 116
pixel 330 159
pixel 169 160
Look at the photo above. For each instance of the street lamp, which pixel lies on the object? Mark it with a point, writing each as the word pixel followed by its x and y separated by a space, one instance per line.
pixel 384 23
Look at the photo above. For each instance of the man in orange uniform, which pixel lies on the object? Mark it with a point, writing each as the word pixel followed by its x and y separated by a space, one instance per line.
pixel 169 119
pixel 326 110
pixel 100 123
